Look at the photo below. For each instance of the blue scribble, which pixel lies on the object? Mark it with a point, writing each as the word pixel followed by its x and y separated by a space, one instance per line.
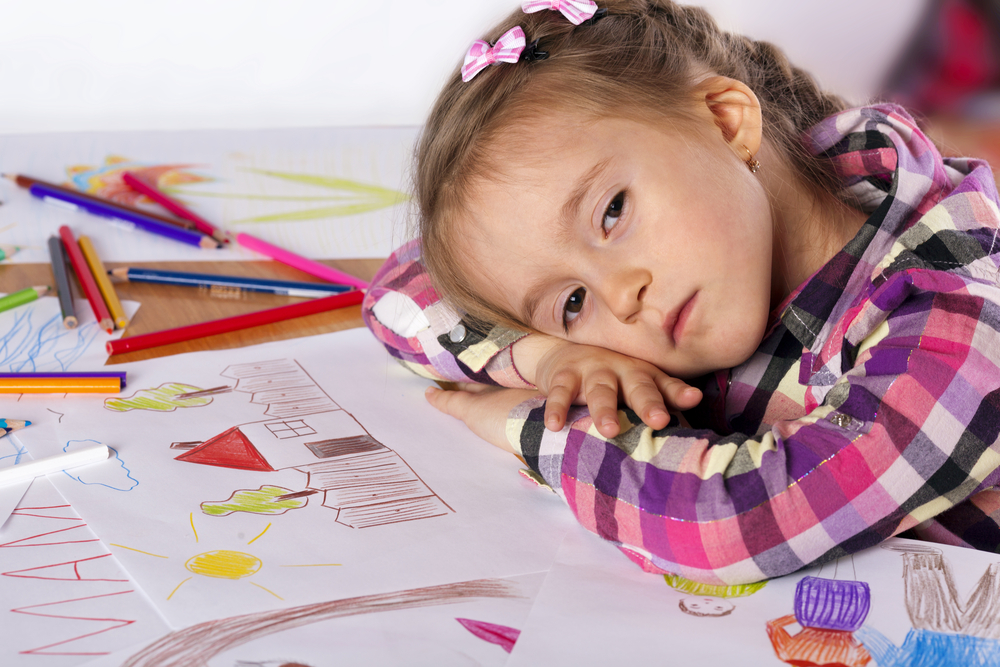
pixel 28 348
pixel 19 451
pixel 105 474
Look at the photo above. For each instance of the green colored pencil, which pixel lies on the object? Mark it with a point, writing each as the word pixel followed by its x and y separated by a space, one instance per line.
pixel 20 298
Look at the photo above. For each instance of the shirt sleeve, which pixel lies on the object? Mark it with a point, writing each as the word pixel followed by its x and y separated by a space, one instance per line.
pixel 404 312
pixel 906 432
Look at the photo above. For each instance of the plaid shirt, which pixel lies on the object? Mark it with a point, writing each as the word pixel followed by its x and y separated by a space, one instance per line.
pixel 871 407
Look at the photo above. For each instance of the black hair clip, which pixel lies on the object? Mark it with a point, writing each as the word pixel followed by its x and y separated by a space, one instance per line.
pixel 531 52
pixel 598 15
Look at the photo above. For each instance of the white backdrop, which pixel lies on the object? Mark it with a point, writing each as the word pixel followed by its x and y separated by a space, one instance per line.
pixel 67 65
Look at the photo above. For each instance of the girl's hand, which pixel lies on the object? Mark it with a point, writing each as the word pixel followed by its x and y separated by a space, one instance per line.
pixel 484 409
pixel 570 373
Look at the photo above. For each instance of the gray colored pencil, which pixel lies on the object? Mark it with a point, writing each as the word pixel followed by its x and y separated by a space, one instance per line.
pixel 58 256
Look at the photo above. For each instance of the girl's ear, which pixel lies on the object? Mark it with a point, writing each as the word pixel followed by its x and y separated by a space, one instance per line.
pixel 735 110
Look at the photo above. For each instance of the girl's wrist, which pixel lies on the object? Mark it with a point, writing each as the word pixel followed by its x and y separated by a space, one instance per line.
pixel 527 352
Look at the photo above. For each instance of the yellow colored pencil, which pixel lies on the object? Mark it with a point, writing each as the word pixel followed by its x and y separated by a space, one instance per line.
pixel 103 282
pixel 83 385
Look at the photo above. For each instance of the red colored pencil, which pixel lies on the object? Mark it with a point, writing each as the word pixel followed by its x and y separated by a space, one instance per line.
pixel 145 187
pixel 86 278
pixel 236 323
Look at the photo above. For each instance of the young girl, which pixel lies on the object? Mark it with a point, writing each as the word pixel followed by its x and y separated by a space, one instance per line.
pixel 635 199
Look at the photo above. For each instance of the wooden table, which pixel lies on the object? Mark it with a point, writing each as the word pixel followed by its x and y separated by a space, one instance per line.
pixel 168 306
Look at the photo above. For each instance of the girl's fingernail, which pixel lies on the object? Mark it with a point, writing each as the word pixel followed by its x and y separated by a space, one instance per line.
pixel 430 391
pixel 657 412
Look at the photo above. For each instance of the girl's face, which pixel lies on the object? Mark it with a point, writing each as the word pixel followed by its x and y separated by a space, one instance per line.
pixel 649 240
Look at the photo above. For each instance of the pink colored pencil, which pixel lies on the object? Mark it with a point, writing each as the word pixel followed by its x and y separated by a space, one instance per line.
pixel 86 278
pixel 154 193
pixel 236 323
pixel 297 261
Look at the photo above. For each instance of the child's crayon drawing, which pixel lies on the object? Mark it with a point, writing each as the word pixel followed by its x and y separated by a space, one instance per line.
pixel 220 563
pixel 199 645
pixel 264 500
pixel 67 598
pixel 33 339
pixel 165 398
pixel 106 180
pixel 113 474
pixel 287 440
pixel 501 635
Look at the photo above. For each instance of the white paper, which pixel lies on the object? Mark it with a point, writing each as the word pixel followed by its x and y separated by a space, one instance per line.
pixel 412 498
pixel 65 597
pixel 256 182
pixel 596 607
pixel 33 340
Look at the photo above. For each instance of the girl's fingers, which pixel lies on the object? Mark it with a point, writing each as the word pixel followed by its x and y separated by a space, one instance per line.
pixel 645 397
pixel 678 394
pixel 564 389
pixel 602 400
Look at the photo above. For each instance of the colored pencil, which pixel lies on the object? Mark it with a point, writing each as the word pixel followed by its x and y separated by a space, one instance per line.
pixel 110 385
pixel 301 263
pixel 103 283
pixel 7 251
pixel 282 287
pixel 27 181
pixel 237 323
pixel 29 470
pixel 20 298
pixel 87 282
pixel 57 255
pixel 105 208
pixel 121 375
pixel 11 425
pixel 143 185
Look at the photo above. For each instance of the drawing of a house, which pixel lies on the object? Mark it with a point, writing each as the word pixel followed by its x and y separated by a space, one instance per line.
pixel 365 481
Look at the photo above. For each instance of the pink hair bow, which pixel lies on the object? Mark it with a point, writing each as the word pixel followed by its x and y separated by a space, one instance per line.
pixel 481 55
pixel 577 11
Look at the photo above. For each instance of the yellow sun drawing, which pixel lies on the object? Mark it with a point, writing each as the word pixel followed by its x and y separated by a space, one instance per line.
pixel 223 563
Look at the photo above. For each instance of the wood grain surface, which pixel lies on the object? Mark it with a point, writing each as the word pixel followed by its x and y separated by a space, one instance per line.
pixel 169 306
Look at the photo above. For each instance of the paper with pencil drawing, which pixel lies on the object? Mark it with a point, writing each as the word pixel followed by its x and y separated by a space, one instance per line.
pixel 321 193
pixel 292 473
pixel 33 339
pixel 902 603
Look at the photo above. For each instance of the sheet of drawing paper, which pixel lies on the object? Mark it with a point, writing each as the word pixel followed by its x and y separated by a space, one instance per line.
pixel 596 607
pixel 290 473
pixel 66 598
pixel 33 339
pixel 322 193
pixel 460 623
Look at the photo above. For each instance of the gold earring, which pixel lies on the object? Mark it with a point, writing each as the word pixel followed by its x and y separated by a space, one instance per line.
pixel 752 165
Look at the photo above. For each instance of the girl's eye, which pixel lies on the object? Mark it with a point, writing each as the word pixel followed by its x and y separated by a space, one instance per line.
pixel 613 212
pixel 574 304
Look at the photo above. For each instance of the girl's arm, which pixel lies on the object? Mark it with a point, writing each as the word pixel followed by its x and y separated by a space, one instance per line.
pixel 404 312
pixel 908 431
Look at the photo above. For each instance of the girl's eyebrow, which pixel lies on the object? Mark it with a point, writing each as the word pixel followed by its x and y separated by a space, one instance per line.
pixel 571 209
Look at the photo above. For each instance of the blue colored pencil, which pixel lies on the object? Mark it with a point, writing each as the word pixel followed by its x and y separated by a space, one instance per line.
pixel 11 425
pixel 282 287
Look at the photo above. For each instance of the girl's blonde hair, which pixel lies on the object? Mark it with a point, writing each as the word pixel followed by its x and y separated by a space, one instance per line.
pixel 641 61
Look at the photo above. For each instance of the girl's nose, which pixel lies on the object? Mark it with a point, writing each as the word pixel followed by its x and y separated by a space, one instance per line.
pixel 625 290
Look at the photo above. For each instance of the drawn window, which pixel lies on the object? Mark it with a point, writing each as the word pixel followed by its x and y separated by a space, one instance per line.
pixel 290 429
pixel 359 444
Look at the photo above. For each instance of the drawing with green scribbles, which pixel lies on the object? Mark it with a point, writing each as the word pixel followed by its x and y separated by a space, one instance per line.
pixel 165 398
pixel 265 500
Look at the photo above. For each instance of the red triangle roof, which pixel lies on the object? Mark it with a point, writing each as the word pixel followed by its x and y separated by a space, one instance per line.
pixel 229 449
